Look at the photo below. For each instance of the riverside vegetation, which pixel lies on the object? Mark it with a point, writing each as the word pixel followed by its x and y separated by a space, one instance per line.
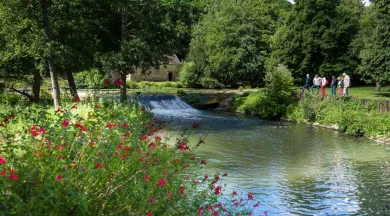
pixel 103 157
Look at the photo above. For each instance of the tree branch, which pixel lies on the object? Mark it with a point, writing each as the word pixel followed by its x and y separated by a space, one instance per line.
pixel 31 98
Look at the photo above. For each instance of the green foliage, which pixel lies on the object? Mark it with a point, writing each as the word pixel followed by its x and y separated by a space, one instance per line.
pixel 91 79
pixel 100 157
pixel 231 41
pixel 351 116
pixel 189 75
pixel 316 38
pixel 210 83
pixel 373 43
pixel 249 102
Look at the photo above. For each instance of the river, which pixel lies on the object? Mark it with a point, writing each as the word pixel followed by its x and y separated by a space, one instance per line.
pixel 291 169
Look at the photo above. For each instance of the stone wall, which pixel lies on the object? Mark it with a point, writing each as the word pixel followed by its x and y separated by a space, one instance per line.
pixel 169 72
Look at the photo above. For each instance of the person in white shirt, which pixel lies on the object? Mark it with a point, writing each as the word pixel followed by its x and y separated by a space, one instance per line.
pixel 316 83
pixel 347 84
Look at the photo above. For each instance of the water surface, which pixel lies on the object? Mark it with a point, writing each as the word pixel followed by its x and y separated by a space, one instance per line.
pixel 291 169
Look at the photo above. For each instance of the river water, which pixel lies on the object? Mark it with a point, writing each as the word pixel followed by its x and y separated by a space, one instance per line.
pixel 291 169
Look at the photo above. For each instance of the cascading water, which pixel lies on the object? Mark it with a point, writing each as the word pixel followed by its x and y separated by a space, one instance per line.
pixel 166 106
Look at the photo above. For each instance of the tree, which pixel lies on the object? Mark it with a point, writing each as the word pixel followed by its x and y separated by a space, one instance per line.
pixel 316 37
pixel 149 32
pixel 231 42
pixel 374 39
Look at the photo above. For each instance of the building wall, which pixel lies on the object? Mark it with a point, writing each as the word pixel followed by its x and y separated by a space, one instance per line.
pixel 157 75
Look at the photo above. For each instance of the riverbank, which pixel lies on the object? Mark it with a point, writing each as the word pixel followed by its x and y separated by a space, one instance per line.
pixel 353 116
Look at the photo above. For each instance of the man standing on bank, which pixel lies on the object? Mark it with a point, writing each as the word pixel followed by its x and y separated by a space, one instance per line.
pixel 347 84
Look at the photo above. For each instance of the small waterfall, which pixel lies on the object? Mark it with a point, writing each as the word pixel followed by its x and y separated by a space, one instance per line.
pixel 167 105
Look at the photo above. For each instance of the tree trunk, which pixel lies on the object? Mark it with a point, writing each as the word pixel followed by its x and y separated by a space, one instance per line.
pixel 123 73
pixel 378 87
pixel 49 58
pixel 72 85
pixel 36 88
pixel 123 87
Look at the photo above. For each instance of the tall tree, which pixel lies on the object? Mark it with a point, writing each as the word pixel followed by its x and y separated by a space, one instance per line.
pixel 149 31
pixel 231 42
pixel 374 39
pixel 316 37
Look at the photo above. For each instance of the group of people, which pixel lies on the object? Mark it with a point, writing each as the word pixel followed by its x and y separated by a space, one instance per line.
pixel 342 83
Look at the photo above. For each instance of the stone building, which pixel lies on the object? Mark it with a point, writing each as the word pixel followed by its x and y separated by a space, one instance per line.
pixel 165 72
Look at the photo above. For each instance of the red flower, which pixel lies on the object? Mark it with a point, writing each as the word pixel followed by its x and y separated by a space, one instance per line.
pixel 151 199
pixel 155 160
pixel 3 173
pixel 13 176
pixel 34 133
pixel 149 214
pixel 109 125
pixel 125 125
pixel 185 166
pixel 193 158
pixel 234 193
pixel 127 134
pixel 118 82
pixel 161 182
pixel 256 205
pixel 99 166
pixel 107 82
pixel 2 160
pixel 74 106
pixel 146 177
pixel 65 123
pixel 143 109
pixel 215 213
pixel 152 145
pixel 203 162
pixel 266 213
pixel 1 125
pixel 181 189
pixel 195 125
pixel 60 157
pixel 76 99
pixel 119 146
pixel 218 190
pixel 127 149
pixel 226 174
pixel 11 116
pixel 58 177
pixel 250 196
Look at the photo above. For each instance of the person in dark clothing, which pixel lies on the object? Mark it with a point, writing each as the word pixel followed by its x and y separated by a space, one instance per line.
pixel 333 86
pixel 307 83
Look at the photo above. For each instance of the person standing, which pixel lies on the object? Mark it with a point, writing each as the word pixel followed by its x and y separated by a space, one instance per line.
pixel 316 83
pixel 333 86
pixel 324 82
pixel 340 85
pixel 347 84
pixel 307 83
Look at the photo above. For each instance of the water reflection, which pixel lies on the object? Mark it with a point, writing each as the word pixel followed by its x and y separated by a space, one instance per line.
pixel 292 169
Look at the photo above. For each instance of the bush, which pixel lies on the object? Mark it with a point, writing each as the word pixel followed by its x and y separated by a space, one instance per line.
pixel 131 84
pixel 210 83
pixel 91 79
pixel 105 158
pixel 188 75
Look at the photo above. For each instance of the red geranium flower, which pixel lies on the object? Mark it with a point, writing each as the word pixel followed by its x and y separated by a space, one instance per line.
pixel 1 125
pixel 76 99
pixel 2 160
pixel 181 189
pixel 218 190
pixel 195 125
pixel 58 177
pixel 146 177
pixel 107 82
pixel 13 176
pixel 65 123
pixel 60 157
pixel 74 106
pixel 127 134
pixel 3 173
pixel 250 196
pixel 149 214
pixel 266 213
pixel 161 182
pixel 151 199
pixel 215 213
pixel 203 162
pixel 99 166
pixel 118 82
pixel 226 174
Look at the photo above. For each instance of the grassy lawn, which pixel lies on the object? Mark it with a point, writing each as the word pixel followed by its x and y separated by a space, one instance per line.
pixel 368 92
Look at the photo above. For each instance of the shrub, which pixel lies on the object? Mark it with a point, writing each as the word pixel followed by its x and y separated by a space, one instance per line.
pixel 131 84
pixel 181 93
pixel 210 83
pixel 91 79
pixel 105 158
pixel 188 75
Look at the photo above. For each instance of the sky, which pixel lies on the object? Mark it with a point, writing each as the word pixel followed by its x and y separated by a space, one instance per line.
pixel 366 2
